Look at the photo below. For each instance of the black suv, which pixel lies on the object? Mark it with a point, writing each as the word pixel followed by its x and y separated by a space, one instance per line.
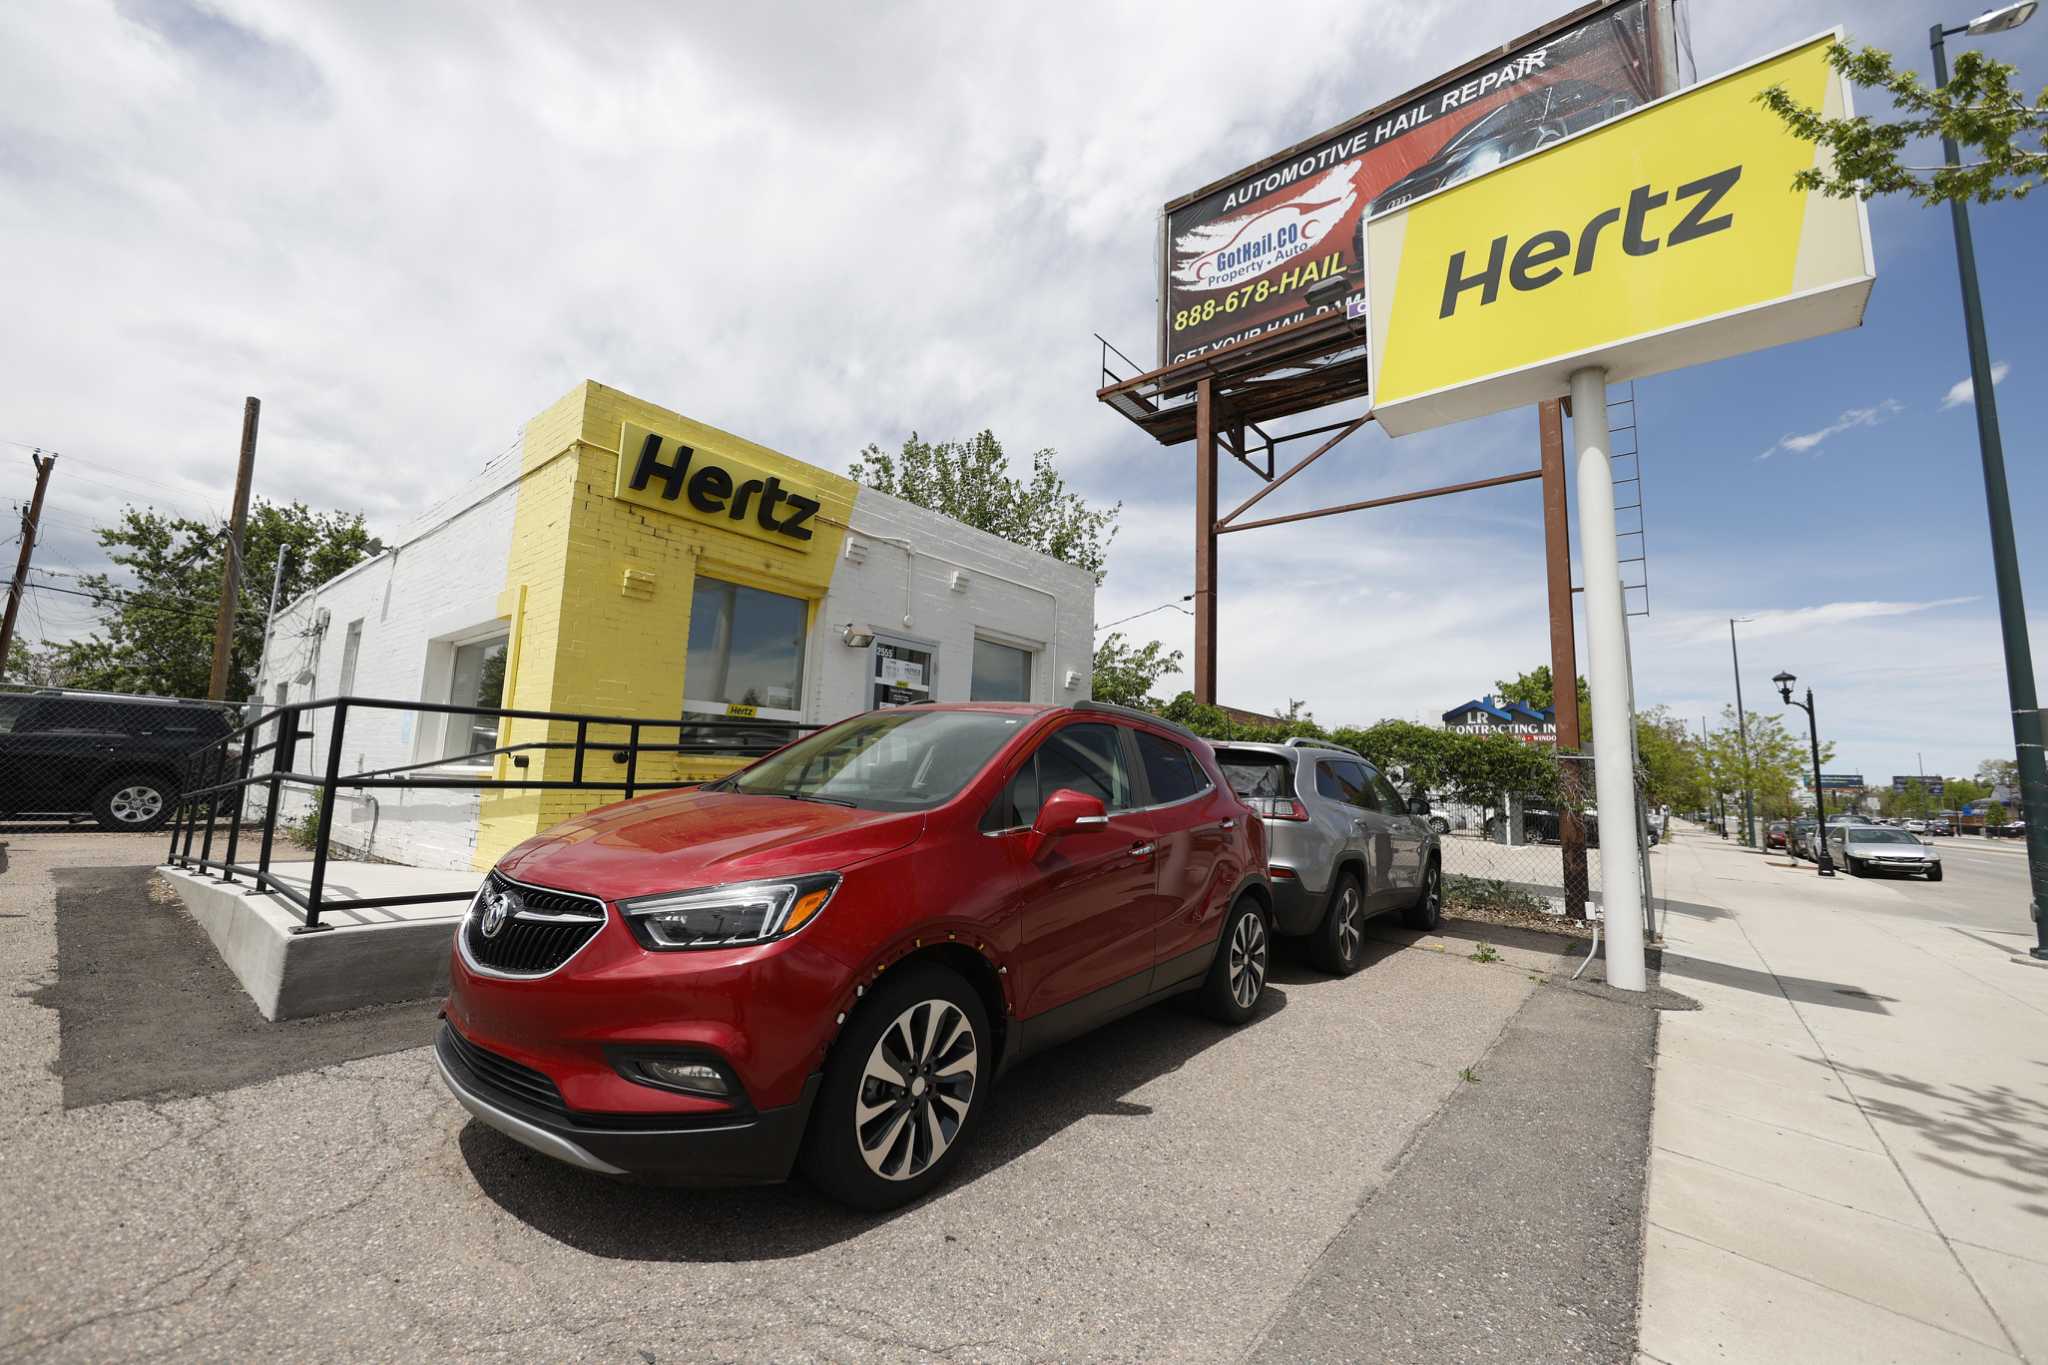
pixel 121 758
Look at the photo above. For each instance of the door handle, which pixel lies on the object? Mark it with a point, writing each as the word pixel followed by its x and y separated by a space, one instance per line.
pixel 1229 822
pixel 1141 850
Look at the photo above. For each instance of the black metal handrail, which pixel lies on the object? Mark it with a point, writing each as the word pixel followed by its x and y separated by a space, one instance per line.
pixel 221 774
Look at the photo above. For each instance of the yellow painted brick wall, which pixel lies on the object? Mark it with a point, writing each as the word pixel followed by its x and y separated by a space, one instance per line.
pixel 597 591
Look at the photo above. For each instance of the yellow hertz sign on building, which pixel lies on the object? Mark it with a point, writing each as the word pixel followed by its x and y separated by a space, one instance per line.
pixel 1668 237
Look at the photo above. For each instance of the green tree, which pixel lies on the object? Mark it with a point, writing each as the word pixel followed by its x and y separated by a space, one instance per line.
pixel 2000 772
pixel 1961 791
pixel 156 633
pixel 1534 689
pixel 1994 815
pixel 39 665
pixel 1125 673
pixel 1991 122
pixel 970 481
pixel 1778 761
pixel 1673 773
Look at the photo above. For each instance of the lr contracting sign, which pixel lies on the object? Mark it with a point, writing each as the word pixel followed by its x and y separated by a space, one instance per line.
pixel 1241 256
pixel 1668 237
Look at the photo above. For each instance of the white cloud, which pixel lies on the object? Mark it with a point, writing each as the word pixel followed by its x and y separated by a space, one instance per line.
pixel 1688 628
pixel 1853 418
pixel 1964 390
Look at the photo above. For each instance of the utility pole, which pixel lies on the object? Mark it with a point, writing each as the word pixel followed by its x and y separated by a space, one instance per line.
pixel 1742 729
pixel 2029 732
pixel 30 520
pixel 270 616
pixel 231 572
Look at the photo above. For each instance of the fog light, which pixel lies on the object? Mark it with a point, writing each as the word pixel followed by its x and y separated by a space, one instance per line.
pixel 699 1077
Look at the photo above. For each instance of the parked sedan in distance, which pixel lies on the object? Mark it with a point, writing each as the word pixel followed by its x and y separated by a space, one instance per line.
pixel 1344 845
pixel 1867 849
pixel 1777 834
pixel 824 960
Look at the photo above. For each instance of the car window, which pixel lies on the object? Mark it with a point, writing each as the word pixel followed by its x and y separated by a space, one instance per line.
pixel 12 709
pixel 1344 781
pixel 1086 758
pixel 1390 800
pixel 1171 771
pixel 1252 772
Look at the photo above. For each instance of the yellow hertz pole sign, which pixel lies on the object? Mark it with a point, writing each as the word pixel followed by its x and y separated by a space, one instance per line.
pixel 1668 237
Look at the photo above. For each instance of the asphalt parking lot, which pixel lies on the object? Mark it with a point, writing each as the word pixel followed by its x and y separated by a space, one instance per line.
pixel 1354 1175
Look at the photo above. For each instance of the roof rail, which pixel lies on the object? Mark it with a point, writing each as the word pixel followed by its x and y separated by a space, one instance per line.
pixel 1110 708
pixel 1304 742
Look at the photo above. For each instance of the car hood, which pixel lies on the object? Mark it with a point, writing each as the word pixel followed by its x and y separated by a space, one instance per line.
pixel 1889 847
pixel 688 839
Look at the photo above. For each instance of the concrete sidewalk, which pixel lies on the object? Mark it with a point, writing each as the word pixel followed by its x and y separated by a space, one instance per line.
pixel 1850 1146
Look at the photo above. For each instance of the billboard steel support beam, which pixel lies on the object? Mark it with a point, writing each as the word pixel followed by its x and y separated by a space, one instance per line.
pixel 1205 542
pixel 1448 488
pixel 1325 448
pixel 1614 781
pixel 1564 654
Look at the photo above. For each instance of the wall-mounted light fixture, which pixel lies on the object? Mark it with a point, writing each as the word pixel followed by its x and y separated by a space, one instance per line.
pixel 858 637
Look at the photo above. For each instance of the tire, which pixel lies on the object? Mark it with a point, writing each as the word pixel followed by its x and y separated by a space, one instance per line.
pixel 1428 911
pixel 1854 866
pixel 1338 944
pixel 929 1020
pixel 1237 978
pixel 133 804
pixel 1439 825
pixel 1934 873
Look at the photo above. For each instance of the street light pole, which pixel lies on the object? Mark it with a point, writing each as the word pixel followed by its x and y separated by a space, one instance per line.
pixel 1742 729
pixel 1820 800
pixel 2012 611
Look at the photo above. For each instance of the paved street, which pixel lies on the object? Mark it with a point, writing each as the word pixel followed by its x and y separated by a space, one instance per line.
pixel 1848 1159
pixel 200 1185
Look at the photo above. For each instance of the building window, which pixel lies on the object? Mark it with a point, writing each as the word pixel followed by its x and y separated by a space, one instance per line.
pixel 904 673
pixel 477 679
pixel 350 648
pixel 746 651
pixel 1001 672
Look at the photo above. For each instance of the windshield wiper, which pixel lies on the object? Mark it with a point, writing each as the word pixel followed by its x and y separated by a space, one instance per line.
pixel 796 796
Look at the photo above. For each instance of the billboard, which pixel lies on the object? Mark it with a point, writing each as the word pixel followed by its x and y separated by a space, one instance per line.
pixel 1934 786
pixel 1668 237
pixel 1842 781
pixel 1240 256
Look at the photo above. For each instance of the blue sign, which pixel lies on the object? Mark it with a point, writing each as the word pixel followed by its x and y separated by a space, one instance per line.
pixel 1838 781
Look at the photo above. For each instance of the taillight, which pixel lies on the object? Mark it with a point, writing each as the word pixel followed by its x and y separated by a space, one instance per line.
pixel 1277 807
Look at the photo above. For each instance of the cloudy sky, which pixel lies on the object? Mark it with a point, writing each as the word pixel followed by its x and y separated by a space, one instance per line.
pixel 407 227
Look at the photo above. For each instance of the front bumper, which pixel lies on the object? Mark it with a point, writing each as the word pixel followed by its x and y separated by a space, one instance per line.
pixel 753 1147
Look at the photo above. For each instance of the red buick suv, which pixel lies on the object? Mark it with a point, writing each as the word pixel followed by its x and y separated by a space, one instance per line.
pixel 823 960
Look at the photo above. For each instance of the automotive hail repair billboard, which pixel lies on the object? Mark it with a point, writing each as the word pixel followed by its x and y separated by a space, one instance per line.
pixel 1668 237
pixel 1240 256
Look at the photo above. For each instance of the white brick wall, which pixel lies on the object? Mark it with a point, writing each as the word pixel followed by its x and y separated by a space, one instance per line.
pixel 442 576
pixel 1055 619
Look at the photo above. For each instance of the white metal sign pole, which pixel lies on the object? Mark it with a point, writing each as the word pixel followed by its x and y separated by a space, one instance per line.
pixel 1621 852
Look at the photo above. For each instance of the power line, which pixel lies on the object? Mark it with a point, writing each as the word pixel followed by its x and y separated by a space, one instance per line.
pixel 1163 606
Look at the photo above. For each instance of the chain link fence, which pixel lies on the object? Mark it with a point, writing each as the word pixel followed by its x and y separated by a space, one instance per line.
pixel 112 760
pixel 1536 852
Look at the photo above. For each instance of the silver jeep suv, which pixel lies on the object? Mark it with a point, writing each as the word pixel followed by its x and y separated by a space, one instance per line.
pixel 1343 845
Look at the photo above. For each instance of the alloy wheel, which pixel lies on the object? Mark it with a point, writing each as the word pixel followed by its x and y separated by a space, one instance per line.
pixel 1247 960
pixel 1432 896
pixel 136 805
pixel 1350 922
pixel 916 1089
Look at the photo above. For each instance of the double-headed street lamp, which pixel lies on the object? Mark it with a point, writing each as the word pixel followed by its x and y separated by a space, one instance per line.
pixel 2012 610
pixel 1820 801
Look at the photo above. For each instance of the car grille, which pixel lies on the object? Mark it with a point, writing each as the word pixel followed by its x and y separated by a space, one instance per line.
pixel 542 930
pixel 502 1073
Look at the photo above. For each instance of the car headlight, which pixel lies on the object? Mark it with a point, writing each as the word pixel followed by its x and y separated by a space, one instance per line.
pixel 728 916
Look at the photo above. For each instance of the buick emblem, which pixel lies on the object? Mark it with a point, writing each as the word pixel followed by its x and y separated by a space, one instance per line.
pixel 496 911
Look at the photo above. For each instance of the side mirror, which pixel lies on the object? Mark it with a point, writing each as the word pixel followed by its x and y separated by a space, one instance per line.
pixel 1418 805
pixel 1065 811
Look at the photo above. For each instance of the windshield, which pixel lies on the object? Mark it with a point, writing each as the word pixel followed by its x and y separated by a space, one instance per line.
pixel 902 759
pixel 1881 836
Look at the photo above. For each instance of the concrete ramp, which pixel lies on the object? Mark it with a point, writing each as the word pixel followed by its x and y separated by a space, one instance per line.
pixel 374 956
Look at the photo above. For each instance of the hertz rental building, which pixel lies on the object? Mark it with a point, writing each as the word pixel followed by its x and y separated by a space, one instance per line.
pixel 625 560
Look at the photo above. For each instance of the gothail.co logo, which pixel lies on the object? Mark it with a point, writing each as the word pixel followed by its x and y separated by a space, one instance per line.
pixel 496 911
pixel 1230 251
